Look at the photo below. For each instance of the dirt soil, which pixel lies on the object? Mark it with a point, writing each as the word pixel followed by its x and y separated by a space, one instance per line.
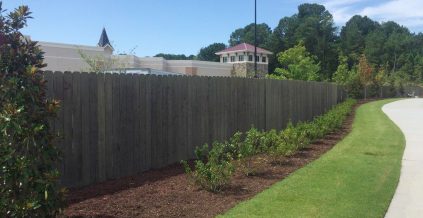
pixel 168 193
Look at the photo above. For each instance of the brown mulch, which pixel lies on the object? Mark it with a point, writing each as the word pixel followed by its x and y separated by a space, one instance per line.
pixel 167 192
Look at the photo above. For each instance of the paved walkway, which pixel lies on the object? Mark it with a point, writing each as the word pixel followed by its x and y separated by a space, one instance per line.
pixel 408 198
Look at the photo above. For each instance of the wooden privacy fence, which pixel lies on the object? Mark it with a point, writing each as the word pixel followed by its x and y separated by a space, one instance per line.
pixel 115 125
pixel 413 91
pixel 392 92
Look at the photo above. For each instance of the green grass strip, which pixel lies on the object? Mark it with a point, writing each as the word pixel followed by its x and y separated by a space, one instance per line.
pixel 357 178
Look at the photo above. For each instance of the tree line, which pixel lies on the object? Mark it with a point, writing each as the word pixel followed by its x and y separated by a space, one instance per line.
pixel 386 46
pixel 205 54
pixel 308 46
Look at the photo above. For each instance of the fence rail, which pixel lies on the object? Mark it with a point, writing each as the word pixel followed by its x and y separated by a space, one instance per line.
pixel 115 125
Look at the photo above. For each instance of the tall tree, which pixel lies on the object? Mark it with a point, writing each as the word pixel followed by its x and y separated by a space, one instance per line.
pixel 246 35
pixel 342 74
pixel 417 74
pixel 297 64
pixel 388 45
pixel 264 40
pixel 278 40
pixel 396 49
pixel 374 46
pixel 365 73
pixel 353 37
pixel 208 53
pixel 313 25
pixel 381 80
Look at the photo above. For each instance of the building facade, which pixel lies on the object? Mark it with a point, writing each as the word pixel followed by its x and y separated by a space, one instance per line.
pixel 68 57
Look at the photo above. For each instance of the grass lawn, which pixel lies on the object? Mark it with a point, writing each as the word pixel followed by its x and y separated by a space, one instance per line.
pixel 357 178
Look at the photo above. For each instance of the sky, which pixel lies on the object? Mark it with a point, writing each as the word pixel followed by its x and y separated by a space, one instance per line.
pixel 149 27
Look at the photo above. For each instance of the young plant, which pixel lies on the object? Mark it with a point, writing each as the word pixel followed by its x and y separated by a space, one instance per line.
pixel 311 129
pixel 215 173
pixel 270 140
pixel 252 138
pixel 292 139
pixel 248 148
pixel 234 145
pixel 201 153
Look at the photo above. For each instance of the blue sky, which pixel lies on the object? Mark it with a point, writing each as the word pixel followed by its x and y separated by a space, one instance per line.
pixel 184 26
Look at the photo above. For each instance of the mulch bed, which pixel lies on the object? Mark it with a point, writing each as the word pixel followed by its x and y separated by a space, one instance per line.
pixel 168 193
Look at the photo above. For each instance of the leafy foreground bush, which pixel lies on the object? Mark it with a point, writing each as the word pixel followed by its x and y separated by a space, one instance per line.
pixel 28 177
pixel 213 168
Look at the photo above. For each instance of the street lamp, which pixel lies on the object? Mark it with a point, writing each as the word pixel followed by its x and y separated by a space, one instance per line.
pixel 255 39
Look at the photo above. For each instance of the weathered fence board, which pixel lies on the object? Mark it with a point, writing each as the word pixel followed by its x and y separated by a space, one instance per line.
pixel 85 126
pixel 108 143
pixel 113 125
pixel 67 128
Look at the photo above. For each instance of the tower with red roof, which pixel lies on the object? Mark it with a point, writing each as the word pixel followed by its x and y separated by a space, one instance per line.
pixel 242 58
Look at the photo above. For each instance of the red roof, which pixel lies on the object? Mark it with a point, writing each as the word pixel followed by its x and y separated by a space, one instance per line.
pixel 243 47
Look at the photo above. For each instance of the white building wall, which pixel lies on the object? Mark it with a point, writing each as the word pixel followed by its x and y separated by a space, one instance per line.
pixel 202 68
pixel 213 68
pixel 126 61
pixel 157 63
pixel 66 57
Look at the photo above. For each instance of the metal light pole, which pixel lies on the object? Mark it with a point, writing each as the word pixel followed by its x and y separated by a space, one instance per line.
pixel 255 39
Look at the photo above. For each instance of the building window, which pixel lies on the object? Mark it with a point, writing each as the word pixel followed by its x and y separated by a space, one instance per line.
pixel 232 58
pixel 225 59
pixel 263 59
pixel 241 58
pixel 257 58
pixel 250 58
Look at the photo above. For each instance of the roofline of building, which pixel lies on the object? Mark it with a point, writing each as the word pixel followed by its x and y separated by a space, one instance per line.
pixel 72 46
pixel 229 52
pixel 225 51
pixel 108 45
pixel 196 61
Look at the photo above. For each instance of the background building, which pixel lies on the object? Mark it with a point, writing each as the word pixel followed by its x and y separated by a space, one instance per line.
pixel 235 61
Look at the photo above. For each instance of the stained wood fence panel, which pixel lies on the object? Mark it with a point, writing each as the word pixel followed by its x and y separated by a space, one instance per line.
pixel 115 125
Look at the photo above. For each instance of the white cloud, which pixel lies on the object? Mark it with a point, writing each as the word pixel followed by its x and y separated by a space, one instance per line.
pixel 340 3
pixel 342 10
pixel 405 12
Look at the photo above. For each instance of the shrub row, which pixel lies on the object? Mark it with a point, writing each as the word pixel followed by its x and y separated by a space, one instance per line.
pixel 214 165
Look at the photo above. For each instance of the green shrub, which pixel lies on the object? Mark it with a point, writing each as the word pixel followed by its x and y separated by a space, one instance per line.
pixel 201 153
pixel 210 176
pixel 247 148
pixel 270 140
pixel 214 167
pixel 322 123
pixel 333 119
pixel 312 130
pixel 28 175
pixel 215 173
pixel 294 138
pixel 253 141
pixel 234 146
